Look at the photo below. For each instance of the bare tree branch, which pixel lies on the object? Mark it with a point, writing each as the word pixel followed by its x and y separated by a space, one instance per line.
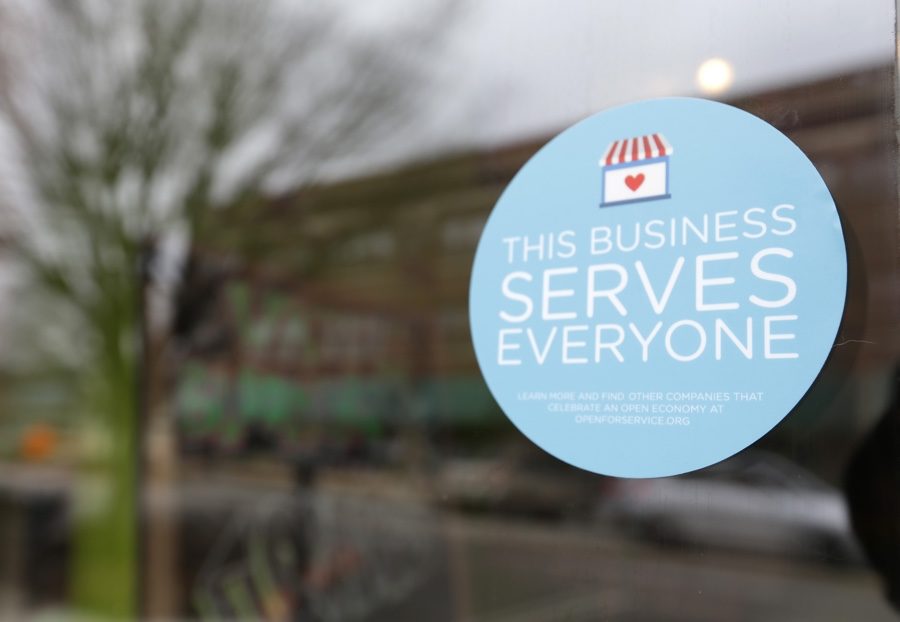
pixel 132 120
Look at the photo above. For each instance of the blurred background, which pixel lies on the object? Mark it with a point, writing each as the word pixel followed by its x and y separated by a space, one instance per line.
pixel 236 377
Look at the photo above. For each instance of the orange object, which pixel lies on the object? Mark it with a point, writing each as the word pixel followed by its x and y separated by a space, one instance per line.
pixel 38 442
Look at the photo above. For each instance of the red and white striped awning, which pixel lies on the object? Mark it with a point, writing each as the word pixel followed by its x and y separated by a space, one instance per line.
pixel 634 149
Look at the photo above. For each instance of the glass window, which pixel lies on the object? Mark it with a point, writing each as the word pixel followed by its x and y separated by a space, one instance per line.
pixel 238 380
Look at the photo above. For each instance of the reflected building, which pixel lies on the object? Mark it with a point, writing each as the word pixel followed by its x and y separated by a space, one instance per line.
pixel 340 311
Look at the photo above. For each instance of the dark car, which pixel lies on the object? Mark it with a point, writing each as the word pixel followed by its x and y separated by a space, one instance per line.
pixel 519 479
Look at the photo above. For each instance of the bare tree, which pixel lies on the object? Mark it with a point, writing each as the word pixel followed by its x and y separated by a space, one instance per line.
pixel 130 123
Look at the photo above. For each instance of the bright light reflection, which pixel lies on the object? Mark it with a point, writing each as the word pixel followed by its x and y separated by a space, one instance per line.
pixel 715 76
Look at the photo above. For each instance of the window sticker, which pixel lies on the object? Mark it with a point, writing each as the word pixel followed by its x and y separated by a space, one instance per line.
pixel 658 287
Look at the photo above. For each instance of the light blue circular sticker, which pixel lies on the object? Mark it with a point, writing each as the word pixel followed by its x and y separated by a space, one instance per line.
pixel 658 287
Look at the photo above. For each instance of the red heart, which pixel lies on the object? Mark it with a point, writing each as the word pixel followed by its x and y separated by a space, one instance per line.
pixel 634 181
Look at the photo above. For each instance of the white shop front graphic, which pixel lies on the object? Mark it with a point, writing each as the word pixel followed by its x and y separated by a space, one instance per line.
pixel 636 169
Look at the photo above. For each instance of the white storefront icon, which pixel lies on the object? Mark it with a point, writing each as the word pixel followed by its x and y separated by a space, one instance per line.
pixel 636 169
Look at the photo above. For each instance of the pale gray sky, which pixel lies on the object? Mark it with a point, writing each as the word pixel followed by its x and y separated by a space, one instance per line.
pixel 518 68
